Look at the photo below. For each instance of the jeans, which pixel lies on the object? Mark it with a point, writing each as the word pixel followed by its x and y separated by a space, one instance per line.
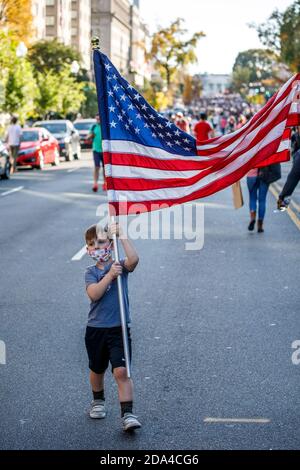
pixel 258 191
pixel 293 178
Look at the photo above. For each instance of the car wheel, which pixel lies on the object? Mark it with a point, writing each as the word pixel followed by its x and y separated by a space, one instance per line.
pixel 42 163
pixel 56 159
pixel 6 174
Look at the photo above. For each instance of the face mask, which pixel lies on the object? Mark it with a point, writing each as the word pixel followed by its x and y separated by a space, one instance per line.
pixel 101 256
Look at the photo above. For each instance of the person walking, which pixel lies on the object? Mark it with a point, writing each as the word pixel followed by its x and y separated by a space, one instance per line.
pixel 291 183
pixel 203 130
pixel 96 135
pixel 13 139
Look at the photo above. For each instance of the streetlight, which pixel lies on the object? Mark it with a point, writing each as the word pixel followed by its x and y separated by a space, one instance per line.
pixel 75 67
pixel 21 50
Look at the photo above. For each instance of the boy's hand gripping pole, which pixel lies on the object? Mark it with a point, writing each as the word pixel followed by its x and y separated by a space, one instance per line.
pixel 122 307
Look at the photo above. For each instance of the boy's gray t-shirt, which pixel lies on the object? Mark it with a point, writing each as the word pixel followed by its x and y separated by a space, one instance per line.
pixel 105 313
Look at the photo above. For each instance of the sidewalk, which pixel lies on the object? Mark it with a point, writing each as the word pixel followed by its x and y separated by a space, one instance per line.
pixel 294 207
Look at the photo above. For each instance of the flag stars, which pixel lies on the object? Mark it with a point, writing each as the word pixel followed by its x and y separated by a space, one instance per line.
pixel 130 107
pixel 169 134
pixel 108 67
pixel 115 77
pixel 144 107
pixel 169 124
pixel 186 141
pixel 127 127
pixel 177 142
pixel 169 144
pixel 110 93
pixel 123 97
pixel 177 132
pixel 113 124
pixel 130 87
pixel 120 117
pixel 112 109
pixel 137 97
pixel 153 134
pixel 137 130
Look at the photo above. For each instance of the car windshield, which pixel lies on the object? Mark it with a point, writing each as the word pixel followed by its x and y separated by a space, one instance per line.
pixel 29 136
pixel 55 128
pixel 83 126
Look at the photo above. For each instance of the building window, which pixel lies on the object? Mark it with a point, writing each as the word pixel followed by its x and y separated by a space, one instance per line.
pixel 74 14
pixel 50 20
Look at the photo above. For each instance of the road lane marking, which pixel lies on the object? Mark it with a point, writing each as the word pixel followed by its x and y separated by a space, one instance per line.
pixel 80 254
pixel 73 169
pixel 12 191
pixel 290 212
pixel 237 420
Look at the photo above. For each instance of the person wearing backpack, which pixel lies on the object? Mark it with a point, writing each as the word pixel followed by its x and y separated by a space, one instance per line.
pixel 258 182
pixel 96 135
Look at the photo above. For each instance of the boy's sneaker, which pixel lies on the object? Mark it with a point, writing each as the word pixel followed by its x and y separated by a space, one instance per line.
pixel 130 422
pixel 97 410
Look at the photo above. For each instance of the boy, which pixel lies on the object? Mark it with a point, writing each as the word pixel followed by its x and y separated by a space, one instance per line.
pixel 103 338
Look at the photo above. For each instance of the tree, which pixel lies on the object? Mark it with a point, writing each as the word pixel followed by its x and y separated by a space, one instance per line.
pixel 281 33
pixel 188 90
pixel 241 79
pixel 70 93
pixel 259 62
pixel 89 106
pixel 15 16
pixel 47 98
pixel 20 90
pixel 52 56
pixel 171 51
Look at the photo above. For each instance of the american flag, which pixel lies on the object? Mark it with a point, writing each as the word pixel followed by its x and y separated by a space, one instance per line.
pixel 150 164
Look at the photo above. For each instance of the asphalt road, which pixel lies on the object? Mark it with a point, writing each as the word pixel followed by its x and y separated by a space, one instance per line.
pixel 212 330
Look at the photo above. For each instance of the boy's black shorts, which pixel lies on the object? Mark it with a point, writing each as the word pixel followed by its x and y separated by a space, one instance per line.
pixel 105 345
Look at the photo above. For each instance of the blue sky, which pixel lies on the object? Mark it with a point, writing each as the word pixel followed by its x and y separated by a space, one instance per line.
pixel 223 21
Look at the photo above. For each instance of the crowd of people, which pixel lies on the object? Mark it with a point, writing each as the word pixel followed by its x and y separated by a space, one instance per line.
pixel 222 115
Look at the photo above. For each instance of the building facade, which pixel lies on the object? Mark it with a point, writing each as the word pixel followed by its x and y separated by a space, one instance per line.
pixel 81 30
pixel 214 84
pixel 123 36
pixel 38 9
pixel 58 20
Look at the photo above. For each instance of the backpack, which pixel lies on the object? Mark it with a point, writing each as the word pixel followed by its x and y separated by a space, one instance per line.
pixel 271 173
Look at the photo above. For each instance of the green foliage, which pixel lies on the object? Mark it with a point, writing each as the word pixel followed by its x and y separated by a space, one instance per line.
pixel 259 63
pixel 89 107
pixel 170 50
pixel 281 33
pixel 52 56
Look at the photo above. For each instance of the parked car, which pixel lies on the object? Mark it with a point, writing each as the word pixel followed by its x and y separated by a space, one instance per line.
pixel 66 135
pixel 83 126
pixel 37 148
pixel 4 162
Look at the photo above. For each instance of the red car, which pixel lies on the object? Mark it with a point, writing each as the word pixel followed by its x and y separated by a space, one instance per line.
pixel 38 147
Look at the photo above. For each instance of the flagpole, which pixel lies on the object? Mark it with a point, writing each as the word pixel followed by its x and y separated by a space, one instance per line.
pixel 96 46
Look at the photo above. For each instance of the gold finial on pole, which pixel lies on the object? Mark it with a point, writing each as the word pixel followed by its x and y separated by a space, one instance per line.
pixel 95 43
